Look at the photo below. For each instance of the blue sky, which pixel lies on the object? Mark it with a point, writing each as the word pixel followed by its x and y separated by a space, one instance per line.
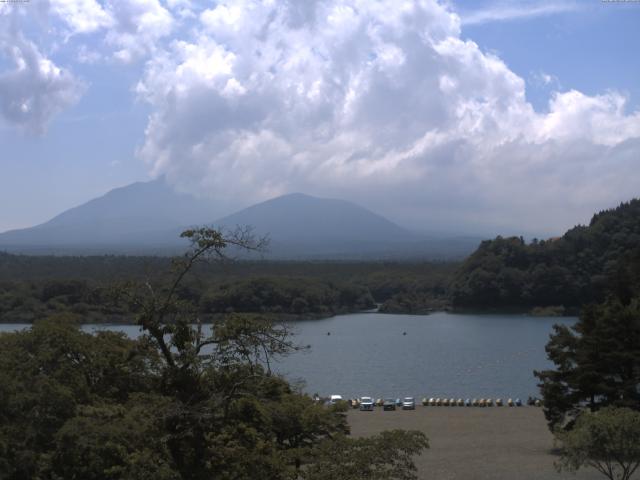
pixel 588 46
pixel 465 116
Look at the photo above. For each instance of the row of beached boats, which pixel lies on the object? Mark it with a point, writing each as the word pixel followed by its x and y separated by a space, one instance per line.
pixel 459 402
pixel 471 402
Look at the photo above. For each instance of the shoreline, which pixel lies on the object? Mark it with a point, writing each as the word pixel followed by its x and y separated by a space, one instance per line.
pixel 294 318
pixel 209 319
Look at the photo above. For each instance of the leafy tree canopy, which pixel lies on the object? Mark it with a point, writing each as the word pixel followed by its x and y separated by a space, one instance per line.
pixel 180 402
pixel 608 441
pixel 582 266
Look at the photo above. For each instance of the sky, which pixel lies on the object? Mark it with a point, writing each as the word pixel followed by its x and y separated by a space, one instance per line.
pixel 467 116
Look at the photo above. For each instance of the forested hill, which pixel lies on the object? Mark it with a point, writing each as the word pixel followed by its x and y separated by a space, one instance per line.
pixel 582 266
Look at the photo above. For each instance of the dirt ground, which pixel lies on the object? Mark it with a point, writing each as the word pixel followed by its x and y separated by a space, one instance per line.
pixel 472 443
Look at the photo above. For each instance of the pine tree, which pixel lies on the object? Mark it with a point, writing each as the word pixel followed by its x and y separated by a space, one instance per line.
pixel 597 362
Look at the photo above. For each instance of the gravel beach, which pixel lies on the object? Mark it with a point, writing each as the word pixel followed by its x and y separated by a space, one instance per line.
pixel 470 443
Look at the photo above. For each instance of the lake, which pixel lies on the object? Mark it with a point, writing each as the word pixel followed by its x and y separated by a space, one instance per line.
pixel 441 355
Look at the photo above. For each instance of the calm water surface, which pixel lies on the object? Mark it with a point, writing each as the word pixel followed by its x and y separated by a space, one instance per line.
pixel 441 355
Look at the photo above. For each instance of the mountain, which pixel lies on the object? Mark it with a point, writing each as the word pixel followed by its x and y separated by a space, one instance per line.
pixel 136 216
pixel 147 218
pixel 302 226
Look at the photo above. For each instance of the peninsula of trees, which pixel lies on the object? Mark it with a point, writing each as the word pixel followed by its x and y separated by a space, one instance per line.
pixel 581 267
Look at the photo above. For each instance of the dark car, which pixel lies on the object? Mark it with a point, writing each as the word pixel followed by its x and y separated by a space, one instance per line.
pixel 389 404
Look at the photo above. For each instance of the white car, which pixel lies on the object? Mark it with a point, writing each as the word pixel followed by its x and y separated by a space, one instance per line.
pixel 335 399
pixel 408 403
pixel 366 403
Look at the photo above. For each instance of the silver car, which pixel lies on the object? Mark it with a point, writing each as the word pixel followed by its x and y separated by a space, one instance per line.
pixel 366 403
pixel 408 403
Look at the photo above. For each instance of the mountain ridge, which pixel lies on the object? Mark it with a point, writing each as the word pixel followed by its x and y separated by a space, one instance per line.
pixel 148 217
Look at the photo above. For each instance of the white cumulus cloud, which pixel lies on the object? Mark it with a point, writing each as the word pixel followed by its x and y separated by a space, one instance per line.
pixel 139 24
pixel 131 28
pixel 33 89
pixel 382 102
pixel 82 16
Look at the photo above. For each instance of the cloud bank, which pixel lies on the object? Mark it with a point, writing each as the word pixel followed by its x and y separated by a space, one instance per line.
pixel 384 103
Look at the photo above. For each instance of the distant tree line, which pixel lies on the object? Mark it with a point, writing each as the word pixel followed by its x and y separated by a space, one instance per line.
pixel 35 287
pixel 286 295
pixel 24 302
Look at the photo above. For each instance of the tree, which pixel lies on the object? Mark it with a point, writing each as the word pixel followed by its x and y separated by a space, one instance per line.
pixel 183 401
pixel 597 363
pixel 608 441
pixel 113 441
pixel 387 456
pixel 299 423
pixel 49 375
pixel 584 265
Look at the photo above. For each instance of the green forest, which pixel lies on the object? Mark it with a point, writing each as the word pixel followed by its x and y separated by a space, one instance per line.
pixel 35 287
pixel 583 266
pixel 555 276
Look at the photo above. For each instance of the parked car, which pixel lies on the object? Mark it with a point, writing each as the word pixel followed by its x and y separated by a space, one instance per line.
pixel 366 403
pixel 389 404
pixel 409 403
pixel 335 399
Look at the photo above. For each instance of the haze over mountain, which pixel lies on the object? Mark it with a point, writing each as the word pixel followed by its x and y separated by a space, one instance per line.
pixel 147 218
pixel 302 218
pixel 137 215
